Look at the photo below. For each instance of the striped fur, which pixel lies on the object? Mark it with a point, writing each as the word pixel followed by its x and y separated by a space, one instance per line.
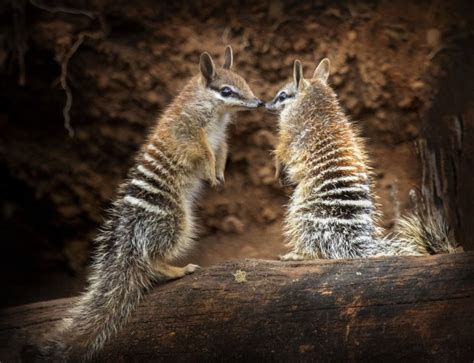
pixel 151 223
pixel 332 212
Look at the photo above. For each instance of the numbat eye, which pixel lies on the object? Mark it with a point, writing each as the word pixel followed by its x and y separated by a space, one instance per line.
pixel 282 96
pixel 225 92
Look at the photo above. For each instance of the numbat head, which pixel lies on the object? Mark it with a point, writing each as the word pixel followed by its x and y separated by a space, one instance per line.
pixel 222 88
pixel 287 97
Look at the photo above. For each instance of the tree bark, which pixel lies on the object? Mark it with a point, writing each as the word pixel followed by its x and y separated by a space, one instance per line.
pixel 446 149
pixel 410 308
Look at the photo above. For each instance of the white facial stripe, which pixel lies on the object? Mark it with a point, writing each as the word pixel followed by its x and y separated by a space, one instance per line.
pixel 231 99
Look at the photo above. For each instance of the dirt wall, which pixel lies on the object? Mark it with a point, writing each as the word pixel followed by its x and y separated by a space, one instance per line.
pixel 79 89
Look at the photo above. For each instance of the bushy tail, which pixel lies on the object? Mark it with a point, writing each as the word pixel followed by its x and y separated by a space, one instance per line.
pixel 115 290
pixel 427 233
pixel 423 231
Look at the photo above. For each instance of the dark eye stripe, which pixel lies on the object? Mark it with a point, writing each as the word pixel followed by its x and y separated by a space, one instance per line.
pixel 233 95
pixel 226 91
pixel 285 95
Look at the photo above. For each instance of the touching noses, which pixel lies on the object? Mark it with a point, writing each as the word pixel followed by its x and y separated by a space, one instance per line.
pixel 269 106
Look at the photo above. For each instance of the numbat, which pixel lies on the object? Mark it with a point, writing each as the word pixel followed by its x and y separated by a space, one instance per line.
pixel 151 222
pixel 332 213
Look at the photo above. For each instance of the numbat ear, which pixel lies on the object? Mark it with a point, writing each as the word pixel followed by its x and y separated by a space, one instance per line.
pixel 297 74
pixel 206 65
pixel 228 57
pixel 322 70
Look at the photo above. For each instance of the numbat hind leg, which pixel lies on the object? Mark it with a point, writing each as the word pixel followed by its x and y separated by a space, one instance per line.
pixel 293 256
pixel 174 272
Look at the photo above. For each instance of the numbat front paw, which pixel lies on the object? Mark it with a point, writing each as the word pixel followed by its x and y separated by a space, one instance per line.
pixel 191 268
pixel 220 179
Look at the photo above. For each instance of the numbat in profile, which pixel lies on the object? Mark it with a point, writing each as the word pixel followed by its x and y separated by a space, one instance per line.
pixel 332 213
pixel 151 222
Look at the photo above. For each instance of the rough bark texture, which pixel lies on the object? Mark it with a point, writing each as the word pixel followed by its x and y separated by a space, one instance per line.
pixel 446 150
pixel 391 309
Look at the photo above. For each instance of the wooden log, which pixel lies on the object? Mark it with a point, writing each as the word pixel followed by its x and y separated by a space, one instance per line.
pixel 399 308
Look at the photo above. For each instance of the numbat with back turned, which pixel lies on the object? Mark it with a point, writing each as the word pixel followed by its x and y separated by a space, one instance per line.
pixel 151 222
pixel 332 213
